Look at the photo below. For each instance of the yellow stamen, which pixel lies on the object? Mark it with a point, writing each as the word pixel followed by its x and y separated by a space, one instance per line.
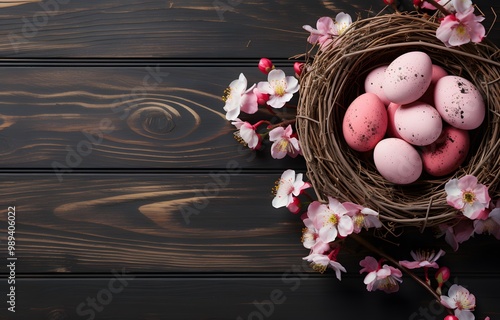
pixel 237 137
pixel 469 197
pixel 283 145
pixel 227 94
pixel 358 220
pixel 318 267
pixel 274 190
pixel 333 219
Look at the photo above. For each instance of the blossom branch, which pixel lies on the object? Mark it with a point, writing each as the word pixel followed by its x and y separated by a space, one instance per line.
pixel 372 248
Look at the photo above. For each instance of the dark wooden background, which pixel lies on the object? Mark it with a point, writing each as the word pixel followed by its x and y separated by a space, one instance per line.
pixel 123 98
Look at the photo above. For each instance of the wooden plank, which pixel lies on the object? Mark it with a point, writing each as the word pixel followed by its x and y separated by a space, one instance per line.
pixel 154 116
pixel 157 28
pixel 295 296
pixel 220 221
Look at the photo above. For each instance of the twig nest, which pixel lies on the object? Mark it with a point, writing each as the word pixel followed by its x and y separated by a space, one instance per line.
pixel 335 76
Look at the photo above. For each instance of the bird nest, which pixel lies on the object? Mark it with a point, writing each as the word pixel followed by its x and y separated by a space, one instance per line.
pixel 334 77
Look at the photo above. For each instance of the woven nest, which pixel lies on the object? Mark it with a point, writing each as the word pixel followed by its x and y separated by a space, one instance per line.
pixel 335 77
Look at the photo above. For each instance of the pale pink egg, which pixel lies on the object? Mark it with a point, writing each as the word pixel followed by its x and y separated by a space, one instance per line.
pixel 407 77
pixel 374 83
pixel 437 73
pixel 392 131
pixel 365 122
pixel 459 102
pixel 418 123
pixel 448 152
pixel 397 161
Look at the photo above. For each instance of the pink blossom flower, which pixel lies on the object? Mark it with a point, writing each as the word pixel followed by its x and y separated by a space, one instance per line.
pixel 491 224
pixel 467 195
pixel 383 278
pixel 327 29
pixel 342 22
pixel 362 217
pixel 246 133
pixel 321 262
pixel 238 98
pixel 458 232
pixel 265 65
pixel 288 185
pixel 310 234
pixel 279 87
pixel 331 219
pixel 324 32
pixel 461 300
pixel 424 259
pixel 284 142
pixel 460 28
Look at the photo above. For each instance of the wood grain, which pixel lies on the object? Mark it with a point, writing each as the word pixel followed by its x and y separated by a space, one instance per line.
pixel 159 28
pixel 297 296
pixel 155 116
pixel 220 221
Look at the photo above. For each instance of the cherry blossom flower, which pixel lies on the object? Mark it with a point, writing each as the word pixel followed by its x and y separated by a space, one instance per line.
pixel 461 300
pixel 362 217
pixel 323 34
pixel 279 87
pixel 491 224
pixel 458 232
pixel 423 259
pixel 383 278
pixel 238 98
pixel 332 219
pixel 461 28
pixel 327 29
pixel 467 195
pixel 461 6
pixel 287 186
pixel 342 22
pixel 284 142
pixel 321 262
pixel 265 65
pixel 246 134
pixel 310 234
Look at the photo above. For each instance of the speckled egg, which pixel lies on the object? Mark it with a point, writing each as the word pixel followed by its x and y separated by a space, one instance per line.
pixel 374 83
pixel 407 77
pixel 437 73
pixel 392 131
pixel 418 123
pixel 459 102
pixel 397 161
pixel 448 152
pixel 365 122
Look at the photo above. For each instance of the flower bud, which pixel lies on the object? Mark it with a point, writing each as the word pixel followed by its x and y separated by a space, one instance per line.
pixel 450 317
pixel 265 65
pixel 262 98
pixel 417 3
pixel 297 67
pixel 295 206
pixel 443 274
pixel 389 2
